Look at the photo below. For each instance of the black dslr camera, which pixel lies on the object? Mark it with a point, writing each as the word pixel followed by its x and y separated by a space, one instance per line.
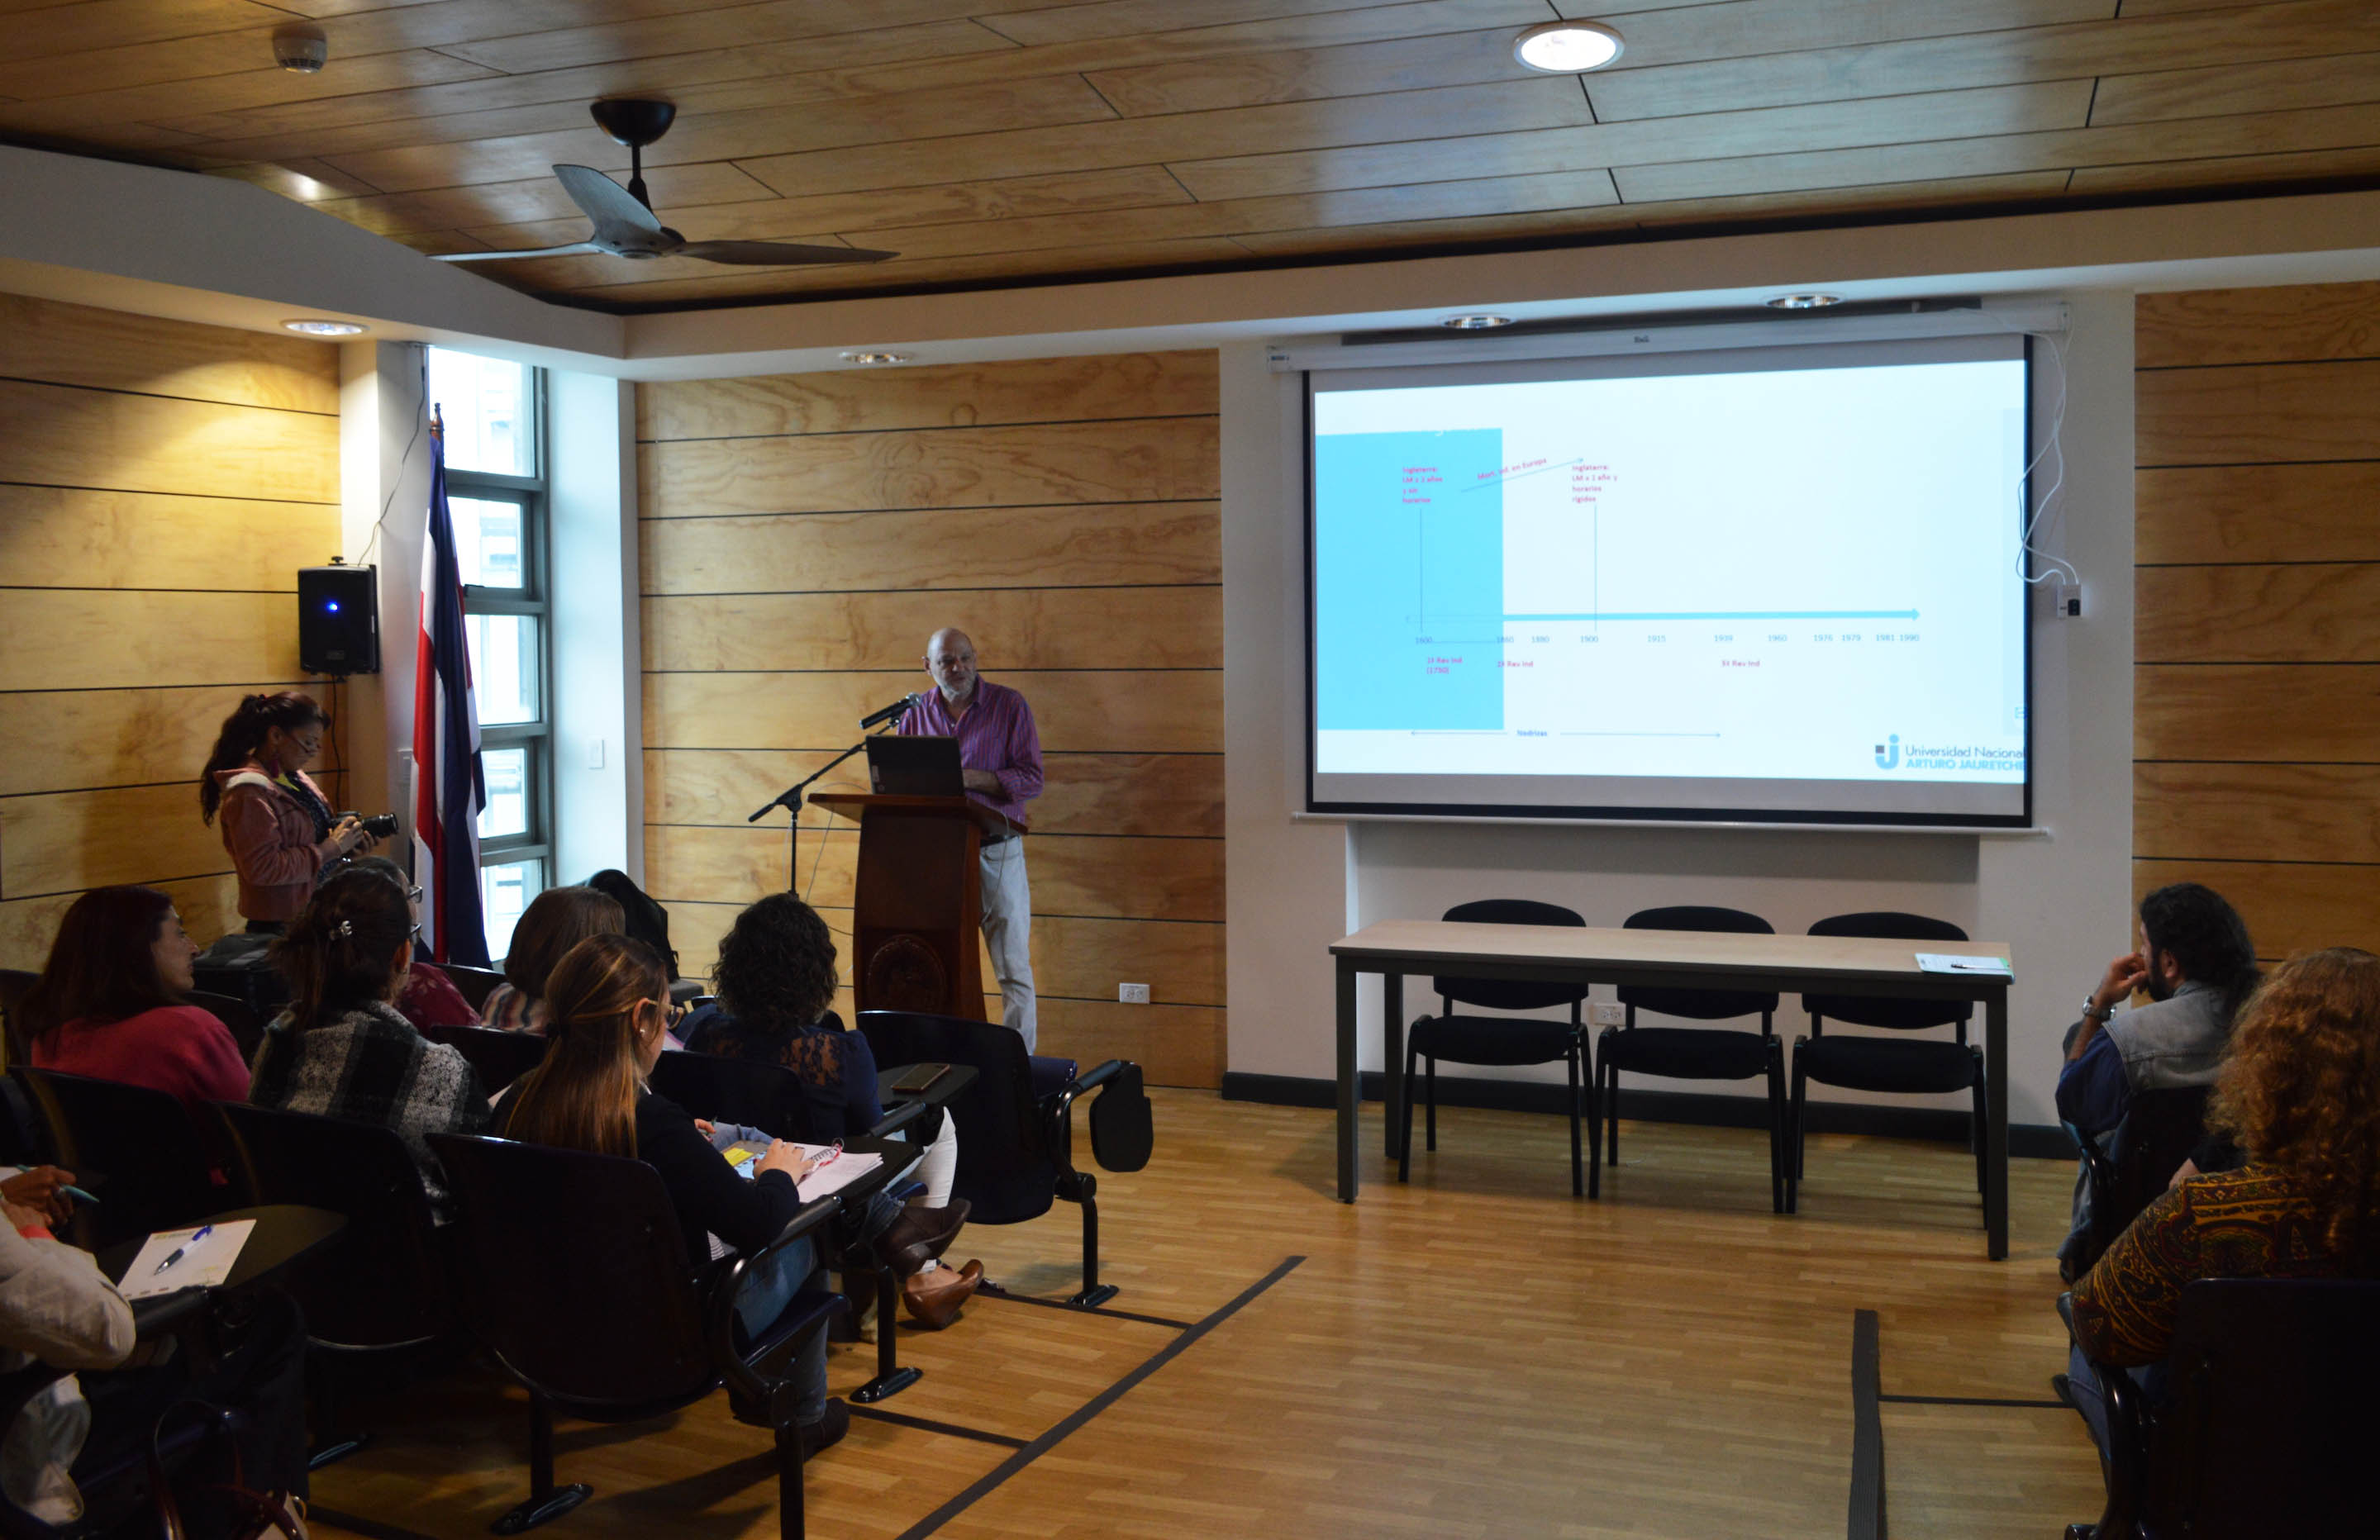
pixel 380 826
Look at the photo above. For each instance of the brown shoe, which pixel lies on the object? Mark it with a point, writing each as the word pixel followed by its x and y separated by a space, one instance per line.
pixel 934 1298
pixel 919 1235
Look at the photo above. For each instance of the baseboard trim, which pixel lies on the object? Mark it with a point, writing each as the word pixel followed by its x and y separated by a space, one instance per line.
pixel 1701 1108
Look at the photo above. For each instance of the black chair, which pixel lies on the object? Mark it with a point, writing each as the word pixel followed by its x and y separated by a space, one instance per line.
pixel 1016 1151
pixel 538 1225
pixel 1692 1052
pixel 2159 1130
pixel 153 1169
pixel 14 985
pixel 773 1098
pixel 385 1287
pixel 1894 1065
pixel 475 985
pixel 238 1017
pixel 497 1057
pixel 1502 1040
pixel 2270 1424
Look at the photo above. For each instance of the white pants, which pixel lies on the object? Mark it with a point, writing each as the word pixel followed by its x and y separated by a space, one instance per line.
pixel 1008 933
pixel 940 1166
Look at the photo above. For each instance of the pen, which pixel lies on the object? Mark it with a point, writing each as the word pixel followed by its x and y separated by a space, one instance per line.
pixel 183 1250
pixel 77 1193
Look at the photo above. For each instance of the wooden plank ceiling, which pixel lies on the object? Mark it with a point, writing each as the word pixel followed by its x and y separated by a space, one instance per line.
pixel 999 141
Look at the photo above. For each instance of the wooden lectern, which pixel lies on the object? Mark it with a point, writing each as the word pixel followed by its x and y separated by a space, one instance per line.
pixel 917 912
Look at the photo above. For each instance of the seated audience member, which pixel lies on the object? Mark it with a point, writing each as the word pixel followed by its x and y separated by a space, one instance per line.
pixel 342 1049
pixel 429 1000
pixel 110 1002
pixel 556 920
pixel 2301 1093
pixel 2197 965
pixel 775 976
pixel 609 1011
pixel 57 1307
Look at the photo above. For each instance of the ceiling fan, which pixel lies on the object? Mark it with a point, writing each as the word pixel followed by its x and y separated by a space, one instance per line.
pixel 625 225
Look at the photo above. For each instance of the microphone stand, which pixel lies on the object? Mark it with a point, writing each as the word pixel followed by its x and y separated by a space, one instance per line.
pixel 790 799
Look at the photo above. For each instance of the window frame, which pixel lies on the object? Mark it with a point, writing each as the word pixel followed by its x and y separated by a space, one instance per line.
pixel 534 599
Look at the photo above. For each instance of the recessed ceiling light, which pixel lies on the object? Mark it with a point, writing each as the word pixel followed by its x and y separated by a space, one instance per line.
pixel 1805 301
pixel 325 328
pixel 1567 47
pixel 1477 322
pixel 876 357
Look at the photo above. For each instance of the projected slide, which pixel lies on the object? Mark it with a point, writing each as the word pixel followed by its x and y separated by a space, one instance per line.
pixel 1751 577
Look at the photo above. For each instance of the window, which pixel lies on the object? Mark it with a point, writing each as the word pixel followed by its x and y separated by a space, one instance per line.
pixel 494 412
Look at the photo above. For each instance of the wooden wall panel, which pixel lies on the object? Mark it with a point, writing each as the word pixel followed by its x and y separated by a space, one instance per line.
pixel 2289 906
pixel 2283 613
pixel 2256 679
pixel 2255 326
pixel 948 395
pixel 73 344
pixel 801 538
pixel 66 536
pixel 2257 413
pixel 1088 794
pixel 1179 712
pixel 92 638
pixel 2283 513
pixel 160 484
pixel 1024 628
pixel 61 436
pixel 1130 460
pixel 975 548
pixel 1116 877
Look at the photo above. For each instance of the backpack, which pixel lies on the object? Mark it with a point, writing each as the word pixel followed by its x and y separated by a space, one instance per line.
pixel 648 921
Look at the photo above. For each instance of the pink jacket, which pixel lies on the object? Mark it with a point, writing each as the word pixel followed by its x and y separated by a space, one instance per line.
pixel 271 837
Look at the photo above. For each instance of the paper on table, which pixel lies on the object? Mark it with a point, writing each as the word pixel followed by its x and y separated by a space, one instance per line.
pixel 833 1177
pixel 206 1261
pixel 1956 962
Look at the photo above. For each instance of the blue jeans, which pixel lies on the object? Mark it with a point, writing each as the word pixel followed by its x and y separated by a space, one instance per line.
pixel 768 1286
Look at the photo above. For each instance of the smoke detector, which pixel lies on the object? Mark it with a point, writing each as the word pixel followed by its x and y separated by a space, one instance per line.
pixel 300 50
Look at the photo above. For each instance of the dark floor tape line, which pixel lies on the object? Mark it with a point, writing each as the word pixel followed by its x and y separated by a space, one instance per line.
pixel 1970 1401
pixel 1084 1309
pixel 1867 1429
pixel 1075 1419
pixel 372 1528
pixel 930 1425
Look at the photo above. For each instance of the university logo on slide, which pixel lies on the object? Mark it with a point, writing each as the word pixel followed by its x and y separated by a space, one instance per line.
pixel 1887 753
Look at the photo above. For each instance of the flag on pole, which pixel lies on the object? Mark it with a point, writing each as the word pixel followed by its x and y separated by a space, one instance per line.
pixel 448 789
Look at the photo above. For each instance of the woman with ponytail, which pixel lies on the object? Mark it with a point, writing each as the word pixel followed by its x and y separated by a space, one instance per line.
pixel 607 1015
pixel 276 825
pixel 341 1049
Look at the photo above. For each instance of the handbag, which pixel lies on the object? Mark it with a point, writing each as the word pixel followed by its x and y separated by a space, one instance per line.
pixel 243 1514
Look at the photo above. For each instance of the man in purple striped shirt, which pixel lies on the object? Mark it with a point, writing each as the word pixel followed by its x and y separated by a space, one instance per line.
pixel 1000 752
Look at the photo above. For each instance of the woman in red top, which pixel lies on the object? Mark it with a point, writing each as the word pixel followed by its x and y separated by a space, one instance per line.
pixel 276 825
pixel 109 1004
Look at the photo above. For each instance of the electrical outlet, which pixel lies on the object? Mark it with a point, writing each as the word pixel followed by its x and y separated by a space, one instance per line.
pixel 1606 1013
pixel 2065 599
pixel 1132 994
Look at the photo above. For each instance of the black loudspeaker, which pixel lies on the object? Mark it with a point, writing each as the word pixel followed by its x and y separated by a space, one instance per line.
pixel 338 620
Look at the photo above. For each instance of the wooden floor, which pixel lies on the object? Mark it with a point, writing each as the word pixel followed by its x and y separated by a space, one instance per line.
pixel 1476 1354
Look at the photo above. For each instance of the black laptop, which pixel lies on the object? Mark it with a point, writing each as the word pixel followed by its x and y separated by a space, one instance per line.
pixel 899 766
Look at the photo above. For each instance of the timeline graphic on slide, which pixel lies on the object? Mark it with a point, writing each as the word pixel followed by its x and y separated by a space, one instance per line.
pixel 1673 575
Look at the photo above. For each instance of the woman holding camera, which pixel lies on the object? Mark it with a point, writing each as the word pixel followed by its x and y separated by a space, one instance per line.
pixel 279 830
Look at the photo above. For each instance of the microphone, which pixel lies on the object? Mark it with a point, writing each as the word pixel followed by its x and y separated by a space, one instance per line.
pixel 887 714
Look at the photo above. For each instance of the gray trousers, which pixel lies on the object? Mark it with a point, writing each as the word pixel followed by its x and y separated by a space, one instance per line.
pixel 1008 933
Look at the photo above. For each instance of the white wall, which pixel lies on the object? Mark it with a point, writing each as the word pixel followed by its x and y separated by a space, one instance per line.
pixel 383 495
pixel 2061 901
pixel 598 707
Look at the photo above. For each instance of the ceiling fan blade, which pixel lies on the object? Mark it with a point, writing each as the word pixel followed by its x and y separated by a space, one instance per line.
pixel 614 208
pixel 574 249
pixel 770 253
